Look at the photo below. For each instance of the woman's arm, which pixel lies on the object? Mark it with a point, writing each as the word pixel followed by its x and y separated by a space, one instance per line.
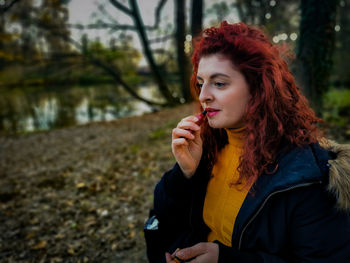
pixel 173 194
pixel 173 197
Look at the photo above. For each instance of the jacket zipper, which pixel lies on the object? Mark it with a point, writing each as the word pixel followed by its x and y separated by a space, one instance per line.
pixel 263 204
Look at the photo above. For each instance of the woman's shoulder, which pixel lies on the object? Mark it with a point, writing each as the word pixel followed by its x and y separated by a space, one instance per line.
pixel 299 166
pixel 325 161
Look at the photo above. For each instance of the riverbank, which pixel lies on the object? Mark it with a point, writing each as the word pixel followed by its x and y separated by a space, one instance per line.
pixel 81 194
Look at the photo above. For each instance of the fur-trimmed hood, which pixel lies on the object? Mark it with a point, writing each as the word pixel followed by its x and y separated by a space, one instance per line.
pixel 339 173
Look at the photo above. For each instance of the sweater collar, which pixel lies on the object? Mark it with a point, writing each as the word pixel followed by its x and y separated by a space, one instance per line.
pixel 236 136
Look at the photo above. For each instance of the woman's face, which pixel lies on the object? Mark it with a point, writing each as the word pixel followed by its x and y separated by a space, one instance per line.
pixel 224 91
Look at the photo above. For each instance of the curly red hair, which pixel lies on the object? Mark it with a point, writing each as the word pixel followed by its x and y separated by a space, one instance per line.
pixel 277 117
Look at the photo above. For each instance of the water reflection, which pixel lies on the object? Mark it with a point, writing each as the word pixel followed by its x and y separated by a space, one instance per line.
pixel 42 108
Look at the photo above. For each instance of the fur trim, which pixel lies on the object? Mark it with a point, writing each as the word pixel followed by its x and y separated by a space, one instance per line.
pixel 339 173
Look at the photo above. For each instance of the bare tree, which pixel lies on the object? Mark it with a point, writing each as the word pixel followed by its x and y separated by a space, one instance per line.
pixel 110 69
pixel 132 10
pixel 57 31
pixel 196 17
pixel 134 13
pixel 182 59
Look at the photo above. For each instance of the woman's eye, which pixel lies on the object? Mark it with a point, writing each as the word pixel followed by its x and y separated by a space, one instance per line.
pixel 199 85
pixel 219 84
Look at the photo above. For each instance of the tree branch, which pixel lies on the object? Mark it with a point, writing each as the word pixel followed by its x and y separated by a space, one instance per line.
pixel 130 12
pixel 105 13
pixel 157 13
pixel 114 26
pixel 161 39
pixel 240 10
pixel 8 7
pixel 117 77
pixel 121 7
pixel 110 69
pixel 103 25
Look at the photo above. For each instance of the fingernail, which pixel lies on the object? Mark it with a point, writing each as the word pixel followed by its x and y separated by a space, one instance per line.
pixel 196 119
pixel 175 252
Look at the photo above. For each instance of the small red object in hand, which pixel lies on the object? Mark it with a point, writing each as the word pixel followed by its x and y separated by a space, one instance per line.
pixel 201 118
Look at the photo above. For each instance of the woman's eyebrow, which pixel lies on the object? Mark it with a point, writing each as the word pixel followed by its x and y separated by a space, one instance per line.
pixel 215 75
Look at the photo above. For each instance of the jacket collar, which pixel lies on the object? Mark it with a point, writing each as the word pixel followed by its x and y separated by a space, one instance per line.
pixel 339 173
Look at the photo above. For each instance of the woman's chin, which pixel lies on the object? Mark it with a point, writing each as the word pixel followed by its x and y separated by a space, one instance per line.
pixel 215 124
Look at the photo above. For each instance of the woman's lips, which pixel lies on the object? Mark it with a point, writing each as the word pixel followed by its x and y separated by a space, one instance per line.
pixel 211 112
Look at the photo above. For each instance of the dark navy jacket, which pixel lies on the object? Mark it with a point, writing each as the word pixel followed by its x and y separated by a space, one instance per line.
pixel 290 218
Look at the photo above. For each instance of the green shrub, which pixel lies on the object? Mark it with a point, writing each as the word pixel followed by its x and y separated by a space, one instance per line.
pixel 337 106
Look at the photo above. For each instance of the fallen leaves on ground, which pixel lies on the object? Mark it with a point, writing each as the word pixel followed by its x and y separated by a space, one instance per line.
pixel 82 194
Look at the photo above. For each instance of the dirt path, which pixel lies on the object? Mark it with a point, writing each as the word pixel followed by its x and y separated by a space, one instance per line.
pixel 81 194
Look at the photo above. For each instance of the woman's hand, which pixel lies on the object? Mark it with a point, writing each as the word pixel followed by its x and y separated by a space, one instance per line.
pixel 200 253
pixel 187 145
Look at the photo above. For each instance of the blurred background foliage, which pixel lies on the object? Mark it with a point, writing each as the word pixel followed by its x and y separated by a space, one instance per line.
pixel 82 194
pixel 124 60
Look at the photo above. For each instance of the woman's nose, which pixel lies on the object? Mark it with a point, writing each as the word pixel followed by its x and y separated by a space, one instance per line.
pixel 205 94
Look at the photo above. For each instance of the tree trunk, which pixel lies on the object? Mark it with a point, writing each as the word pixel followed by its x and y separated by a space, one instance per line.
pixel 196 17
pixel 342 55
pixel 182 60
pixel 315 48
pixel 149 55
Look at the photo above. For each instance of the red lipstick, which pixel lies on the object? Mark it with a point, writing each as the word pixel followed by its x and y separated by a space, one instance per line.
pixel 212 111
pixel 201 118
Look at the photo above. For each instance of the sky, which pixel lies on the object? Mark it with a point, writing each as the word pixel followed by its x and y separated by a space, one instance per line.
pixel 81 12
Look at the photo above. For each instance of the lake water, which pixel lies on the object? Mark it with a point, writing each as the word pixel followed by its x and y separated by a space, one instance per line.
pixel 43 108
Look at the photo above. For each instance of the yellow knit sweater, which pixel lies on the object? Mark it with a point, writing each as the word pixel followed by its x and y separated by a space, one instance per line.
pixel 223 201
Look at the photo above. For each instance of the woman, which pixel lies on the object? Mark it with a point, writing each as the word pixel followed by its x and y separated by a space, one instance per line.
pixel 252 184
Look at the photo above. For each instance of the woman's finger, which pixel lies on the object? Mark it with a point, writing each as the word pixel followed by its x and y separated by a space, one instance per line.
pixel 181 133
pixel 191 118
pixel 180 142
pixel 192 252
pixel 188 125
pixel 168 258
